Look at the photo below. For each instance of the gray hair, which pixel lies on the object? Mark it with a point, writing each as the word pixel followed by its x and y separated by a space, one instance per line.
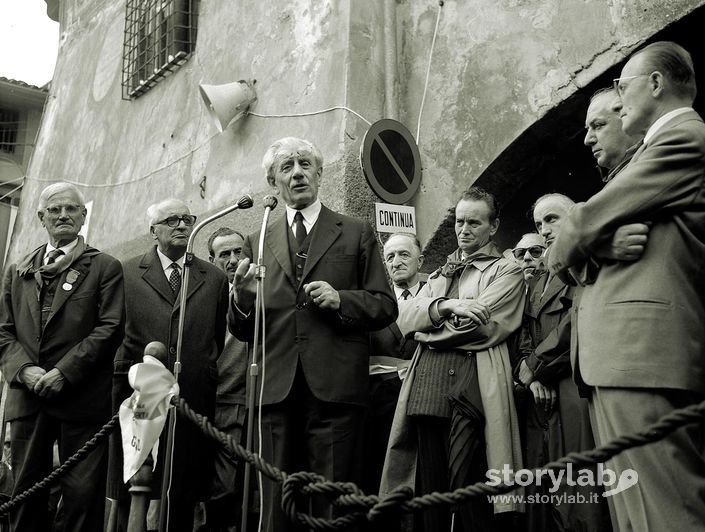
pixel 288 143
pixel 410 236
pixel 57 188
pixel 154 211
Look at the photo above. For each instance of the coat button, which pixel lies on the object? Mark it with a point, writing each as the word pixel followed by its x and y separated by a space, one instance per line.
pixel 172 350
pixel 451 372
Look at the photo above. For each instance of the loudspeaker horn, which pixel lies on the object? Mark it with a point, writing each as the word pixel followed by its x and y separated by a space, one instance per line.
pixel 227 103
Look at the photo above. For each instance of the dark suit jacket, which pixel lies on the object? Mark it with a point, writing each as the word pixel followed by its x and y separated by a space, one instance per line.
pixel 641 323
pixel 80 337
pixel 152 314
pixel 391 343
pixel 332 347
pixel 545 337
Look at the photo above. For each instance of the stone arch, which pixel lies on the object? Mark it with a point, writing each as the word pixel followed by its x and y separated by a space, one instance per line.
pixel 549 156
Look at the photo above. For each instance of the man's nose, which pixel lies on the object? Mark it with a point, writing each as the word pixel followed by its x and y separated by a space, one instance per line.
pixel 590 138
pixel 297 171
pixel 527 256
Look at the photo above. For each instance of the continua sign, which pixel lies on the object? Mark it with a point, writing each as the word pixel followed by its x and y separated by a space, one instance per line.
pixel 395 218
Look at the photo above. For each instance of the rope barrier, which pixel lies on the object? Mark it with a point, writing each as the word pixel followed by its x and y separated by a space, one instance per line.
pixel 371 507
pixel 348 495
pixel 60 471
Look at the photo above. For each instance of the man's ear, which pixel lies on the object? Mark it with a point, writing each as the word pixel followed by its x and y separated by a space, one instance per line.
pixel 657 83
pixel 40 215
pixel 152 232
pixel 421 258
pixel 494 225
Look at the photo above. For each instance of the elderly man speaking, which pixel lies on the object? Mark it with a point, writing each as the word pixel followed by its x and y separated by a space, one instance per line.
pixel 61 320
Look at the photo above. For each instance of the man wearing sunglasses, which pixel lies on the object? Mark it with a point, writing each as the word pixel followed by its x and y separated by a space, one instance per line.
pixel 640 323
pixel 528 254
pixel 152 302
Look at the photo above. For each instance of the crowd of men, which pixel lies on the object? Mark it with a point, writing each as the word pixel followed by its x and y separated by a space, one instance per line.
pixel 588 329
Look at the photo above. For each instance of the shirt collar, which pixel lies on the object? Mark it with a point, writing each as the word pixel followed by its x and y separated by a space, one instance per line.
pixel 68 248
pixel 309 213
pixel 413 289
pixel 166 261
pixel 662 121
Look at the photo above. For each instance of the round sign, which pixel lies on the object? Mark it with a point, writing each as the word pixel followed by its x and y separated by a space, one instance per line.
pixel 391 161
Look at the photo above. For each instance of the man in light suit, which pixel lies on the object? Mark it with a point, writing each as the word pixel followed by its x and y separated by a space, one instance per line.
pixel 324 291
pixel 61 320
pixel 152 301
pixel 639 324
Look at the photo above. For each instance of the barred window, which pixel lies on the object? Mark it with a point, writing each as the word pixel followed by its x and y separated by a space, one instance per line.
pixel 159 36
pixel 9 124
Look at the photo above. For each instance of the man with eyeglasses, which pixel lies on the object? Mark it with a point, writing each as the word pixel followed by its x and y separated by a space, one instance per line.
pixel 528 254
pixel 559 421
pixel 152 303
pixel 61 320
pixel 640 324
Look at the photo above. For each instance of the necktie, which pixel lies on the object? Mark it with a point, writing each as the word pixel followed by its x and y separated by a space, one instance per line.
pixel 299 227
pixel 53 255
pixel 175 278
pixel 405 294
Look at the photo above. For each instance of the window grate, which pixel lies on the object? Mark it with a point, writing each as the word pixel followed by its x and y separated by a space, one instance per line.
pixel 9 125
pixel 159 37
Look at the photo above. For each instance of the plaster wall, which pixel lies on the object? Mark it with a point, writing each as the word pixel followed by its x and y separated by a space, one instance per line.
pixel 498 66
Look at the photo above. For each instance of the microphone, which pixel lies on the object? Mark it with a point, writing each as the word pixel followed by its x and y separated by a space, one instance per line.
pixel 246 202
pixel 270 202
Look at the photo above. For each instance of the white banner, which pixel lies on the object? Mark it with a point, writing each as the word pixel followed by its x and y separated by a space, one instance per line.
pixel 142 415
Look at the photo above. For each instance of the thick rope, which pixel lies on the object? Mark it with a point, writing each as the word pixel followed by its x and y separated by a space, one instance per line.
pixel 371 507
pixel 60 471
pixel 348 495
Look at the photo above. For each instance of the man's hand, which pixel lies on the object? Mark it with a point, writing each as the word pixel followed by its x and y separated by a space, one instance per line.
pixel 465 308
pixel 526 376
pixel 323 295
pixel 29 376
pixel 543 395
pixel 50 384
pixel 628 243
pixel 245 285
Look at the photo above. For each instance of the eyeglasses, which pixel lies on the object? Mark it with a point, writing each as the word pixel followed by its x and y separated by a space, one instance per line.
pixel 619 87
pixel 71 209
pixel 534 251
pixel 173 221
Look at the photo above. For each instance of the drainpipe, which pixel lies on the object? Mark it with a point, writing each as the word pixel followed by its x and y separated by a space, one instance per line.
pixel 390 60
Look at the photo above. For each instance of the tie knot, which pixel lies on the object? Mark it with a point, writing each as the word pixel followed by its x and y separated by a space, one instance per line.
pixel 298 217
pixel 406 294
pixel 175 266
pixel 53 255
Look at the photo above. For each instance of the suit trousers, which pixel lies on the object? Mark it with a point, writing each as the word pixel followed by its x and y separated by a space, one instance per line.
pixel 303 433
pixel 670 491
pixel 82 488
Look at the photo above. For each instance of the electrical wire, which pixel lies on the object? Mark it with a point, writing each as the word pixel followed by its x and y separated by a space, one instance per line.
pixel 13 190
pixel 428 69
pixel 311 113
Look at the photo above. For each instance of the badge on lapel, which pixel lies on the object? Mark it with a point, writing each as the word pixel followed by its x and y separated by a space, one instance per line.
pixel 71 278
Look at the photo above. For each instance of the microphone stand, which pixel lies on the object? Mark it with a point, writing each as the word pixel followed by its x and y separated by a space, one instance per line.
pixel 260 273
pixel 244 202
